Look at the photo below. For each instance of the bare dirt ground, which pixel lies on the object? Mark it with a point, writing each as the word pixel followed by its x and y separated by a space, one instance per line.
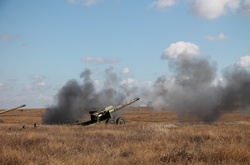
pixel 148 137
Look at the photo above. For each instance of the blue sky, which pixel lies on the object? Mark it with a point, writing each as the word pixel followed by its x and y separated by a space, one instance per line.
pixel 43 44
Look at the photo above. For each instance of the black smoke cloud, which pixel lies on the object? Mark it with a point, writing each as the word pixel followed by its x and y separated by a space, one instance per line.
pixel 74 99
pixel 193 89
pixel 236 94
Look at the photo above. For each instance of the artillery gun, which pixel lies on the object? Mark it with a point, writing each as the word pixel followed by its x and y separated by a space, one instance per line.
pixel 106 114
pixel 8 110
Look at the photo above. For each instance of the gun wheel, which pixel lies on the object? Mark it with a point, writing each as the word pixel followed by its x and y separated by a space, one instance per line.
pixel 110 121
pixel 120 121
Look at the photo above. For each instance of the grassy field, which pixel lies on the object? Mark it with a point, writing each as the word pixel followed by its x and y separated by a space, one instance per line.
pixel 148 137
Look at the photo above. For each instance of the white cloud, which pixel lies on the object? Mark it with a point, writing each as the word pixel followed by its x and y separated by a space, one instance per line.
pixel 125 71
pixel 162 4
pixel 129 81
pixel 220 36
pixel 100 60
pixel 181 50
pixel 211 9
pixel 244 62
pixel 246 7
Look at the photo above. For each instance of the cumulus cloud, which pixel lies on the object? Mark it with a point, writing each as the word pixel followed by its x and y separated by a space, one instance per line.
pixel 211 9
pixel 162 4
pixel 7 36
pixel 220 36
pixel 246 7
pixel 181 51
pixel 100 60
pixel 244 62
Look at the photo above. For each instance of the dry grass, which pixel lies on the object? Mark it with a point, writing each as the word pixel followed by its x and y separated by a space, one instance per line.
pixel 147 138
pixel 27 116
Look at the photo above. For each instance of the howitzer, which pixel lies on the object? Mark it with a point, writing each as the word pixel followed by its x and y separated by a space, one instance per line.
pixel 8 110
pixel 105 114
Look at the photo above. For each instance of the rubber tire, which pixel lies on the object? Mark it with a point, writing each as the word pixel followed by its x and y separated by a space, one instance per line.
pixel 120 121
pixel 110 121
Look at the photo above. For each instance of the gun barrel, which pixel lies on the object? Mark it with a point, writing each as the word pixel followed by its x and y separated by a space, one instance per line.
pixel 126 104
pixel 12 109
